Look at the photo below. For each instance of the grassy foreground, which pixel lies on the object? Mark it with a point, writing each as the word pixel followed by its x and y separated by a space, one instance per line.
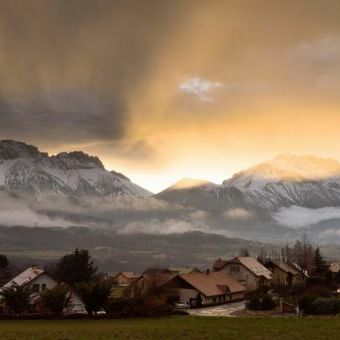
pixel 175 327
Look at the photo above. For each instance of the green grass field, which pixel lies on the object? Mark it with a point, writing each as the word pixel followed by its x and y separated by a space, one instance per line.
pixel 175 327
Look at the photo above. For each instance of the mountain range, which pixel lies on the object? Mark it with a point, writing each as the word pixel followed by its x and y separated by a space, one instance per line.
pixel 288 180
pixel 272 202
pixel 25 170
pixel 269 200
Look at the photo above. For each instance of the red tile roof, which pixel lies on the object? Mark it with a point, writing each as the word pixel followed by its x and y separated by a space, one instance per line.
pixel 213 284
pixel 249 262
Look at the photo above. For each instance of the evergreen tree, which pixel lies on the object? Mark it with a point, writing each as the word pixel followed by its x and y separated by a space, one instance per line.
pixel 94 295
pixel 76 267
pixel 198 300
pixel 3 262
pixel 4 270
pixel 320 266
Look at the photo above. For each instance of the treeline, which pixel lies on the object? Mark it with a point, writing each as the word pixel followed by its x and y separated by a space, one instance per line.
pixel 301 253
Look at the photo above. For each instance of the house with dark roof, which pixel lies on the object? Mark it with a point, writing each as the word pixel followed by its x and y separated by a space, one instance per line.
pixel 246 270
pixel 209 288
pixel 285 274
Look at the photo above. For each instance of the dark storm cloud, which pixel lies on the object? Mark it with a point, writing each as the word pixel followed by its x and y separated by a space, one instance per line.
pixel 67 67
pixel 55 118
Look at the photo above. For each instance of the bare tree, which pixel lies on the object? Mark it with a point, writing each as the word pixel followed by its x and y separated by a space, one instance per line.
pixel 302 253
pixel 262 256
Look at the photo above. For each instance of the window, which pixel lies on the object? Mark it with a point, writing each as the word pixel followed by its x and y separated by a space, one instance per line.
pixel 35 288
pixel 43 286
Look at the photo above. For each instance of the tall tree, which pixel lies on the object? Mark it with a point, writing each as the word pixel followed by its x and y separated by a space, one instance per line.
pixel 16 298
pixel 94 295
pixel 56 299
pixel 76 267
pixel 302 253
pixel 320 265
pixel 262 256
pixel 286 254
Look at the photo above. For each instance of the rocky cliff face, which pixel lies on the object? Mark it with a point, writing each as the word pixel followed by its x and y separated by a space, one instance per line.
pixel 26 170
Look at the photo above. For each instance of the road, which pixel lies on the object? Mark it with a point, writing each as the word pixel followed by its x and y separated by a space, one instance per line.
pixel 221 310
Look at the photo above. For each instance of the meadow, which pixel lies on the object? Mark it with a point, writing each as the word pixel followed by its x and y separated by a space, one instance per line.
pixel 180 327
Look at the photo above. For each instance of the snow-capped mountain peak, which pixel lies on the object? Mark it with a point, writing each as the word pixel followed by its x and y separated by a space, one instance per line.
pixel 26 170
pixel 187 183
pixel 286 167
pixel 286 180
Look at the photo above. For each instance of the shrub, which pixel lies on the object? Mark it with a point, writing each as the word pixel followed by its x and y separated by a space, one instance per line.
pixel 263 303
pixel 56 299
pixel 305 303
pixel 267 303
pixel 16 298
pixel 254 304
pixel 95 295
pixel 319 305
pixel 325 306
pixel 123 306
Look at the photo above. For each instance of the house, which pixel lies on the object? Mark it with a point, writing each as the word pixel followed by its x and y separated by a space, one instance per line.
pixel 246 270
pixel 39 281
pixel 285 274
pixel 125 278
pixel 151 281
pixel 334 267
pixel 209 288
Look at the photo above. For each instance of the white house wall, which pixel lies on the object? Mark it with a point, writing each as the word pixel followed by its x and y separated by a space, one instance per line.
pixel 244 276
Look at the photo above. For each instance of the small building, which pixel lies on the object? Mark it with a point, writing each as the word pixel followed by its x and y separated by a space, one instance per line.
pixel 334 267
pixel 285 274
pixel 246 270
pixel 125 278
pixel 209 288
pixel 150 282
pixel 39 281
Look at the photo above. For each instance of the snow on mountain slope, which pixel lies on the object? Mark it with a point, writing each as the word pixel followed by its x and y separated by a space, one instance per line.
pixel 190 192
pixel 285 181
pixel 24 169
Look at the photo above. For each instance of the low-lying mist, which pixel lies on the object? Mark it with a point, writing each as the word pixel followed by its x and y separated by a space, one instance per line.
pixel 122 214
pixel 128 214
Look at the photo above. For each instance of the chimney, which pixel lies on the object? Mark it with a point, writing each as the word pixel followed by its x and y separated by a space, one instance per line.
pixel 208 271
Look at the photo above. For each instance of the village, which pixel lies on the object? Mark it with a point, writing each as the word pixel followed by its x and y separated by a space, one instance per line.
pixel 244 285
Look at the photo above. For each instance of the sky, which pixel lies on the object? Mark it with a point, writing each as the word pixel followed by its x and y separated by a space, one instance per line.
pixel 161 90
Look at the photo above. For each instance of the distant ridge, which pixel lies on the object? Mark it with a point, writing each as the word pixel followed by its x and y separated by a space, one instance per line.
pixel 26 170
pixel 287 180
